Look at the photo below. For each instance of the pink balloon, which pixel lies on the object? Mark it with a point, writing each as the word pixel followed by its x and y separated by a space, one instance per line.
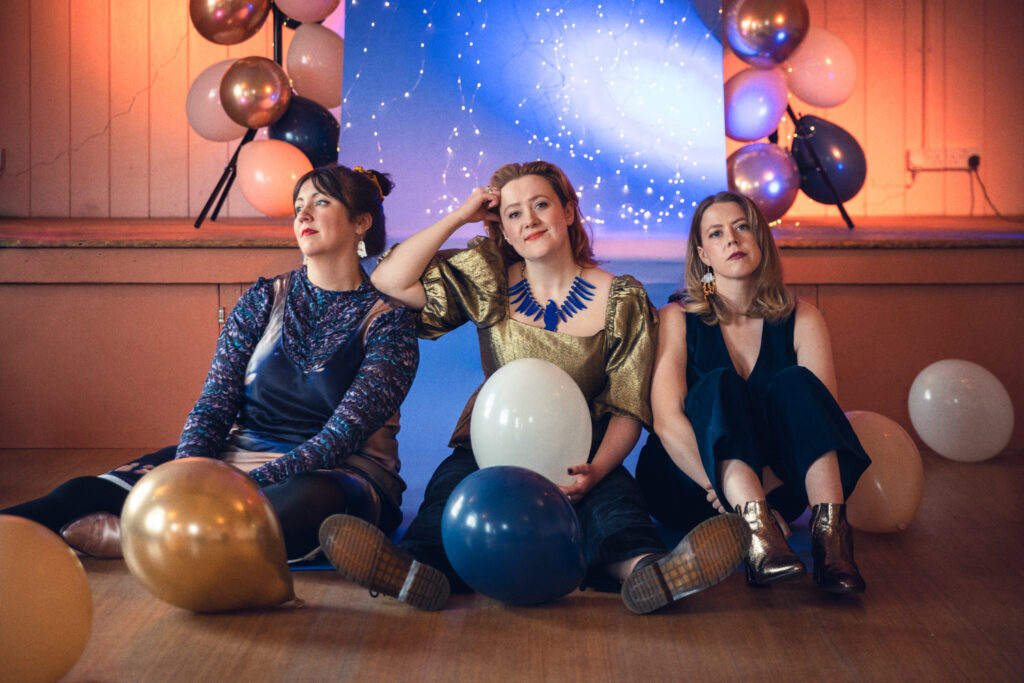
pixel 307 10
pixel 822 71
pixel 755 100
pixel 767 174
pixel 267 173
pixel 315 60
pixel 203 107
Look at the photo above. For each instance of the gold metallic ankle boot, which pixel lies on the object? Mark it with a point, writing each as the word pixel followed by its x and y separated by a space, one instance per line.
pixel 770 558
pixel 832 549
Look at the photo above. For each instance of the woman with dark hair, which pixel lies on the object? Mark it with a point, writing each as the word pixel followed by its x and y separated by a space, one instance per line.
pixel 602 334
pixel 743 397
pixel 304 388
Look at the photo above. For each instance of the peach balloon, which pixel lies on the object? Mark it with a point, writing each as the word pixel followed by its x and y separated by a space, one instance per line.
pixel 267 173
pixel 889 492
pixel 315 59
pixel 45 603
pixel 204 110
pixel 227 22
pixel 201 535
pixel 255 92
pixel 307 10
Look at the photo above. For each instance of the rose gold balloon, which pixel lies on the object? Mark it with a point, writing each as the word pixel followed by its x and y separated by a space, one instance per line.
pixel 316 56
pixel 201 535
pixel 267 173
pixel 763 33
pixel 889 492
pixel 307 10
pixel 227 22
pixel 45 601
pixel 255 92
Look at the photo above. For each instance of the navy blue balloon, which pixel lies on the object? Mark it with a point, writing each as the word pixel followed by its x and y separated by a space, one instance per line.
pixel 840 154
pixel 512 535
pixel 312 128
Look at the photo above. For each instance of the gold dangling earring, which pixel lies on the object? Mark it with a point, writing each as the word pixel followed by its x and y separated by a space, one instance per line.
pixel 361 249
pixel 708 284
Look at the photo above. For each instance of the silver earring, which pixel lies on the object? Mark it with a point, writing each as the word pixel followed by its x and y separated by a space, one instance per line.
pixel 361 249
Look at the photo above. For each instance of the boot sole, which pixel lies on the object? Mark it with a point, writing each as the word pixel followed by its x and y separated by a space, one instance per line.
pixel 364 555
pixel 706 556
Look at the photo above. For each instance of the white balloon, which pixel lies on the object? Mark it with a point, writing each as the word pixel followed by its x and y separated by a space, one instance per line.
pixel 961 410
pixel 822 72
pixel 532 414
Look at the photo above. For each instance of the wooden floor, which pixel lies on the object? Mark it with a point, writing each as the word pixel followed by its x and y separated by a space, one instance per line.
pixel 945 601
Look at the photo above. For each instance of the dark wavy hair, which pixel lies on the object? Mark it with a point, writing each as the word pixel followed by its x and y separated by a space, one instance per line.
pixel 772 300
pixel 579 234
pixel 358 193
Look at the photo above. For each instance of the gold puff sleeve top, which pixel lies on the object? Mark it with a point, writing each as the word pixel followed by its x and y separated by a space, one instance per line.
pixel 611 367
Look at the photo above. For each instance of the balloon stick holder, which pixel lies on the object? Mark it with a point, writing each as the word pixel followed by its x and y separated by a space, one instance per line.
pixel 227 178
pixel 803 132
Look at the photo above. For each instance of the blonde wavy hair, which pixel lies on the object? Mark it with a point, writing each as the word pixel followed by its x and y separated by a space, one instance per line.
pixel 579 235
pixel 772 300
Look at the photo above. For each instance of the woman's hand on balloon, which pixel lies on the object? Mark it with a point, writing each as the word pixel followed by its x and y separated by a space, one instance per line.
pixel 713 499
pixel 482 204
pixel 586 476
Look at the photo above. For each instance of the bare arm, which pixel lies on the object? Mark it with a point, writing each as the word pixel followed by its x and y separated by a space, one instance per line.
pixel 813 345
pixel 398 275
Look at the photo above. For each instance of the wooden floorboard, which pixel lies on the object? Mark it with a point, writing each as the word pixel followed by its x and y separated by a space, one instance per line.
pixel 945 601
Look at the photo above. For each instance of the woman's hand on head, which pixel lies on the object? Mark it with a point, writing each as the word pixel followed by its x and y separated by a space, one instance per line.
pixel 482 204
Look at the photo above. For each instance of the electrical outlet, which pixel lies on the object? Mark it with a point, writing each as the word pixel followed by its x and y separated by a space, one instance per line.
pixel 940 158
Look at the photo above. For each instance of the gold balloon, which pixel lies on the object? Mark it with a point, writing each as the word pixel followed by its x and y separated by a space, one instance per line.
pixel 889 492
pixel 45 603
pixel 227 22
pixel 201 535
pixel 255 92
pixel 763 33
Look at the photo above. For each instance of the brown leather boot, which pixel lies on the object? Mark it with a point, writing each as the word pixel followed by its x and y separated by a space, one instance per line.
pixel 97 535
pixel 770 558
pixel 832 549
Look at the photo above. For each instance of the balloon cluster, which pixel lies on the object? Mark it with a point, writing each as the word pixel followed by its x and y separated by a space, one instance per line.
pixel 292 102
pixel 787 54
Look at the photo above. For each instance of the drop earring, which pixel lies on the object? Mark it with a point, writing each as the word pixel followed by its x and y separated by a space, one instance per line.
pixel 361 249
pixel 707 283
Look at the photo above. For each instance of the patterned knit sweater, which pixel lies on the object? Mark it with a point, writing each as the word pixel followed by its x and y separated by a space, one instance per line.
pixel 316 323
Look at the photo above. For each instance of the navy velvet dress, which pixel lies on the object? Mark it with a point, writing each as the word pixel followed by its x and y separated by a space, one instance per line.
pixel 781 417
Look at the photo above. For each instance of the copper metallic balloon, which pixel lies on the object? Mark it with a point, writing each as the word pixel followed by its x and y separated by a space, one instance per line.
pixel 255 92
pixel 227 22
pixel 763 33
pixel 45 603
pixel 767 174
pixel 201 535
pixel 889 492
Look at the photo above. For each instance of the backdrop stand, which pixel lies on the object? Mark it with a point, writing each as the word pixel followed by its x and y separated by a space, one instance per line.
pixel 818 166
pixel 220 190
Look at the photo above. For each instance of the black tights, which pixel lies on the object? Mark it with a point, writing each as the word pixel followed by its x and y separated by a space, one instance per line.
pixel 301 502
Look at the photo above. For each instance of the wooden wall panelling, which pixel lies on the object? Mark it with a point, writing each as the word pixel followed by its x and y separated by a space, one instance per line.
pixel 168 134
pixel 15 108
pixel 90 108
pixel 51 108
pixel 206 158
pixel 130 107
pixel 999 120
pixel 884 143
pixel 912 326
pixel 964 94
pixel 108 366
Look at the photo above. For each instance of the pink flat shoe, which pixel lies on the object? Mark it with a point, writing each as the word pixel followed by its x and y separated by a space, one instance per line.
pixel 96 535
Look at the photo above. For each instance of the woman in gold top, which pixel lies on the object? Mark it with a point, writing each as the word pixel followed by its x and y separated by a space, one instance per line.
pixel 602 334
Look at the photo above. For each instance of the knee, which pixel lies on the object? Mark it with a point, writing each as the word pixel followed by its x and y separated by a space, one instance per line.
pixel 794 380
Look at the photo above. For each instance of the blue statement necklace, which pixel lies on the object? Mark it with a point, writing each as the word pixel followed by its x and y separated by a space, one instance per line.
pixel 580 292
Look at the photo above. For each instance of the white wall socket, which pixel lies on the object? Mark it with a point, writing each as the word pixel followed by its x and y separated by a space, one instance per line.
pixel 940 158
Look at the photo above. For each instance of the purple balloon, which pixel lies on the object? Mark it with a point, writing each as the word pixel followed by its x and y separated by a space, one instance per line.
pixel 767 174
pixel 755 100
pixel 841 158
